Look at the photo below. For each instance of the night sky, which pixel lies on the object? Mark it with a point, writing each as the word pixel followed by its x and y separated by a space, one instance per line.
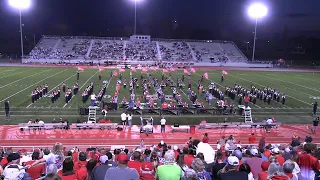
pixel 194 18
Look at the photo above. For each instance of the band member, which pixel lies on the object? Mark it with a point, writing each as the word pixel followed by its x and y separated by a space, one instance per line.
pixel 7 109
pixel 53 96
pixel 222 78
pixel 315 107
pixel 124 83
pixel 64 87
pixel 46 88
pixel 78 74
pixel 99 76
pixel 283 98
pixel 75 88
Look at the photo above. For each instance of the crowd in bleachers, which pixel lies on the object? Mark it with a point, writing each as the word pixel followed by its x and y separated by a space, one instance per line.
pixel 176 51
pixel 141 51
pixel 107 50
pixel 193 161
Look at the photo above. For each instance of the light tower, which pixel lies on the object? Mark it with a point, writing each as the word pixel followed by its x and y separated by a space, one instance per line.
pixel 135 16
pixel 20 5
pixel 256 11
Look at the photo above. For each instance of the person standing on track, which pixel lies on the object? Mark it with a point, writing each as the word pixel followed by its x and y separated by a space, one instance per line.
pixel 78 75
pixel 315 125
pixel 7 109
pixel 315 107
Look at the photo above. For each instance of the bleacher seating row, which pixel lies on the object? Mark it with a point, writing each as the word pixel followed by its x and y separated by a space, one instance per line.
pixel 94 48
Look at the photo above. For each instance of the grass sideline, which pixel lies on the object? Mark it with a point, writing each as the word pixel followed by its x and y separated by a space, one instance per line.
pixel 16 84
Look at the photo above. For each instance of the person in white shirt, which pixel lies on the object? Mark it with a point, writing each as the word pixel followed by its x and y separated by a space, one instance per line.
pixel 123 119
pixel 24 157
pixel 93 99
pixel 129 116
pixel 269 122
pixel 163 124
pixel 206 150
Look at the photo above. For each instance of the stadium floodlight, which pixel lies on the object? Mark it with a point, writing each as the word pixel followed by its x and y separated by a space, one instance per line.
pixel 135 16
pixel 256 10
pixel 20 5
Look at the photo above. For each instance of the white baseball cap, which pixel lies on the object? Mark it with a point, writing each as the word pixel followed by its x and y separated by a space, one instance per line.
pixel 276 150
pixel 254 152
pixel 175 147
pixel 233 161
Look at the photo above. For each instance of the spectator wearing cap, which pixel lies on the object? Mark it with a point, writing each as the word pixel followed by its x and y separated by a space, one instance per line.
pixel 13 170
pixel 277 155
pixel 219 164
pixel 288 170
pixel 246 168
pixel 176 151
pixel 308 164
pixel 263 175
pixel 170 170
pixel 287 153
pixel 229 172
pixel 99 172
pixel 275 172
pixel 199 167
pixel 252 139
pixel 24 157
pixel 67 172
pixel 147 172
pixel 36 171
pixel 255 162
pixel 122 172
pixel 136 163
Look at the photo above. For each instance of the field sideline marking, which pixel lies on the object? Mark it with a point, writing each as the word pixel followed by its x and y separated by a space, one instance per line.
pixel 225 87
pixel 54 88
pixel 285 86
pixel 17 73
pixel 264 86
pixel 9 70
pixel 81 88
pixel 32 85
pixel 297 85
pixel 24 78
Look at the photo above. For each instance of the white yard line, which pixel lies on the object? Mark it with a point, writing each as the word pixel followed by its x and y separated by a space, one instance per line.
pixel 264 86
pixel 224 87
pixel 296 84
pixel 81 88
pixel 24 78
pixel 54 88
pixel 17 73
pixel 9 70
pixel 32 85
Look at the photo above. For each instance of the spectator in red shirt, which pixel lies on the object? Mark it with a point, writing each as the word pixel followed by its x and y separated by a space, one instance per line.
pixel 75 155
pixel 35 172
pixel 82 161
pixel 136 163
pixel 188 158
pixel 308 163
pixel 252 139
pixel 67 172
pixel 263 175
pixel 205 138
pixel 278 156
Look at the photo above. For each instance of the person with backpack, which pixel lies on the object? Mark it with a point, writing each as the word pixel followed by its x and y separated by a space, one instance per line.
pixel 199 167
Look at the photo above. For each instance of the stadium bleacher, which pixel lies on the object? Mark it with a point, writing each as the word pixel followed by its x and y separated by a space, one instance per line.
pixel 73 48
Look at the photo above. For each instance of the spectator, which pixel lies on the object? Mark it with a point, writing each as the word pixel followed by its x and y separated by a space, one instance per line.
pixel 122 172
pixel 90 166
pixel 263 175
pixel 99 172
pixel 229 172
pixel 295 142
pixel 246 168
pixel 293 160
pixel 13 170
pixel 205 138
pixel 154 159
pixel 219 164
pixel 207 150
pixel 275 172
pixel 182 164
pixel 170 170
pixel 277 155
pixel 287 153
pixel 308 164
pixel 24 157
pixel 188 156
pixel 36 171
pixel 51 168
pixel 147 172
pixel 129 116
pixel 238 154
pixel 67 172
pixel 80 166
pixel 255 162
pixel 53 176
pixel 222 141
pixel 252 139
pixel 288 170
pixel 308 139
pixel 199 167
pixel 262 143
pixel 136 164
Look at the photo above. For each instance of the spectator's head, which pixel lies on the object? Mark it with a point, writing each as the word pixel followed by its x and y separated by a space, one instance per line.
pixel 67 165
pixel 252 134
pixel 237 153
pixel 180 160
pixel 35 155
pixel 200 156
pixel 169 157
pixel 123 159
pixel 53 176
pixel 46 151
pixel 51 168
pixel 57 149
pixel 14 158
pixel 276 150
pixel 254 152
pixel 245 168
pixel 288 167
pixel 197 165
pixel 275 169
pixel 185 150
pixel 309 148
pixel 82 156
pixel 137 156
pixel 233 163
pixel 91 164
pixel 265 165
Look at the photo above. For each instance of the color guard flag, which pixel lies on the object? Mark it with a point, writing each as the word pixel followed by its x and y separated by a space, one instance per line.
pixel 144 70
pixel 224 72
pixel 133 69
pixel 165 70
pixel 192 70
pixel 206 75
pixel 115 73
pixel 80 69
pixel 121 70
pixel 172 69
pixel 186 72
pixel 154 68
pixel 100 69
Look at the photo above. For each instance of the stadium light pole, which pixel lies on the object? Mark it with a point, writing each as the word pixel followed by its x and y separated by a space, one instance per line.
pixel 256 11
pixel 135 17
pixel 20 5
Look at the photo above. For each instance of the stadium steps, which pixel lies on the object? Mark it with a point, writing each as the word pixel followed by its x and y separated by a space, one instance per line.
pixel 56 45
pixel 159 51
pixel 124 49
pixel 90 48
pixel 192 52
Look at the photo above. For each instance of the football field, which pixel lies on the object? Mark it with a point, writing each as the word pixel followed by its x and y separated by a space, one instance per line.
pixel 17 83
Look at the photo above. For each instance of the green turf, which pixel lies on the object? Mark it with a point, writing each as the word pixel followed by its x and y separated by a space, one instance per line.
pixel 16 84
